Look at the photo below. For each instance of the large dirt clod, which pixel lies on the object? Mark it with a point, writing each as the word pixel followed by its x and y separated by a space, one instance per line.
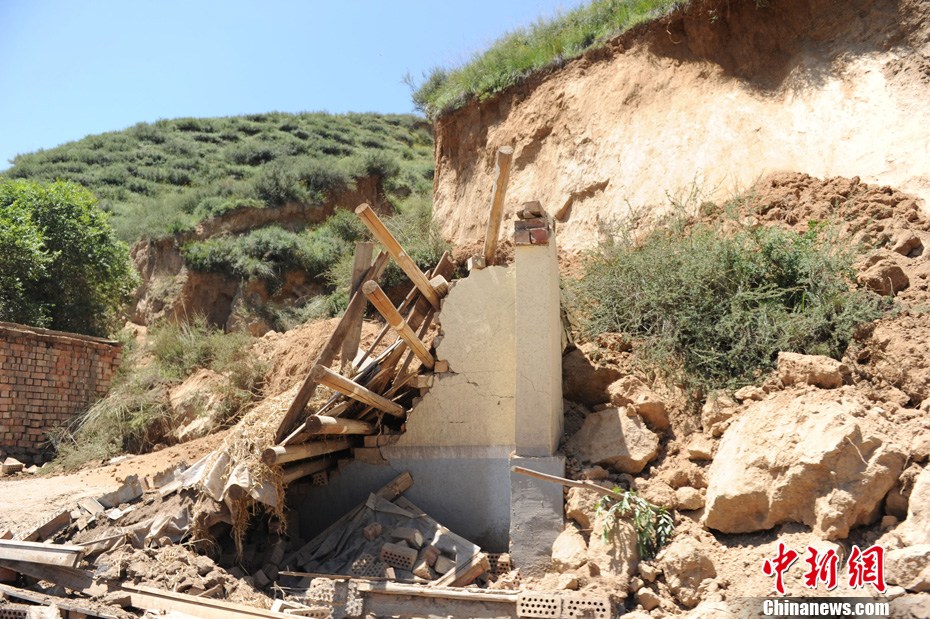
pixel 821 458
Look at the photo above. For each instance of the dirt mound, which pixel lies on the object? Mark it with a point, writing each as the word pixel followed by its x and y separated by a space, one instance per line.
pixel 290 355
pixel 714 97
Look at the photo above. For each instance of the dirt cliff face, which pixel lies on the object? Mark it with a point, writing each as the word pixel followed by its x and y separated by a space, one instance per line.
pixel 170 290
pixel 711 98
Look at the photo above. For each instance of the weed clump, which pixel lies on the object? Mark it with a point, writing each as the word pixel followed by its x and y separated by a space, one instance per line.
pixel 715 306
pixel 136 414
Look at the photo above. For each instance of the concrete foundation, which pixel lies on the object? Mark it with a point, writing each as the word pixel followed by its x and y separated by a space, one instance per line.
pixel 536 509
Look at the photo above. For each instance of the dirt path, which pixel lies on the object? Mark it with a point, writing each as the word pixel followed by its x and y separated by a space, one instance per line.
pixel 29 500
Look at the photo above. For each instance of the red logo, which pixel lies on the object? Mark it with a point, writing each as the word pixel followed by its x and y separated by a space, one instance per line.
pixel 863 567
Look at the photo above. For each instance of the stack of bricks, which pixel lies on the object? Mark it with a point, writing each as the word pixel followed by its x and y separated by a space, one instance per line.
pixel 533 226
pixel 46 378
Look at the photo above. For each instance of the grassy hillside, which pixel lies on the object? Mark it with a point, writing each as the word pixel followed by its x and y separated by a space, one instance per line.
pixel 522 52
pixel 164 177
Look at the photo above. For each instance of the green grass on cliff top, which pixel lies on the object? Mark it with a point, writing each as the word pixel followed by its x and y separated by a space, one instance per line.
pixel 524 51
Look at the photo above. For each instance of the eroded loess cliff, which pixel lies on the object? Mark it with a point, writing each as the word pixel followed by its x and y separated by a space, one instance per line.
pixel 710 98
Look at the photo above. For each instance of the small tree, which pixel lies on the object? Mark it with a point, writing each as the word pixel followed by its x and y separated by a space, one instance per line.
pixel 61 265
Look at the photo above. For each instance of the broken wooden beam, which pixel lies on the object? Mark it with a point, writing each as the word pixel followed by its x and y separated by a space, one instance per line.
pixel 571 483
pixel 326 377
pixel 384 306
pixel 50 528
pixel 363 254
pixel 405 262
pixel 46 554
pixel 492 232
pixel 326 424
pixel 292 453
pixel 68 577
pixel 356 308
pixel 292 474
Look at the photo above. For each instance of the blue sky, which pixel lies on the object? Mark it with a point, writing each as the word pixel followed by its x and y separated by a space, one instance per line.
pixel 73 68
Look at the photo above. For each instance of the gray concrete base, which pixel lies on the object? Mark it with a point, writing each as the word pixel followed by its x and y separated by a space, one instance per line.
pixel 467 489
pixel 536 513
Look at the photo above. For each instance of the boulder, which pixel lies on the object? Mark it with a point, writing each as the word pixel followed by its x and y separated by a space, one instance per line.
pixel 569 550
pixel 688 498
pixel 700 448
pixel 615 438
pixel 686 565
pixel 615 554
pixel 717 414
pixel 632 392
pixel 656 491
pixel 581 506
pixel 584 381
pixel 817 370
pixel 906 243
pixel 916 526
pixel 914 606
pixel 884 277
pixel 647 598
pixel 909 567
pixel 822 458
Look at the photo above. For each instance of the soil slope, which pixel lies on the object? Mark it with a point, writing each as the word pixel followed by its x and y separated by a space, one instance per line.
pixel 714 96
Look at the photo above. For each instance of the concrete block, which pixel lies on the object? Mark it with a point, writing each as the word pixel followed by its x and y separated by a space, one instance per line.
pixel 586 605
pixel 401 557
pixel 539 605
pixel 536 514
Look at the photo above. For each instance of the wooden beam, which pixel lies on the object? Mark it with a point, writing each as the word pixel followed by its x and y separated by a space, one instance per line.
pixel 149 598
pixel 492 232
pixel 384 306
pixel 363 254
pixel 292 453
pixel 292 474
pixel 46 554
pixel 326 377
pixel 356 307
pixel 51 527
pixel 407 265
pixel 68 577
pixel 72 606
pixel 571 483
pixel 325 424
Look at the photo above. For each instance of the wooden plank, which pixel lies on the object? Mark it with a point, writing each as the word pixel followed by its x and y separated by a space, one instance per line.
pixel 68 577
pixel 292 453
pixel 504 157
pixel 356 307
pixel 50 528
pixel 72 606
pixel 407 265
pixel 326 377
pixel 149 598
pixel 324 424
pixel 363 254
pixel 292 474
pixel 46 554
pixel 384 306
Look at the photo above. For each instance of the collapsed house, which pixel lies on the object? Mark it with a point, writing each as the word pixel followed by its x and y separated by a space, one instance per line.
pixel 398 489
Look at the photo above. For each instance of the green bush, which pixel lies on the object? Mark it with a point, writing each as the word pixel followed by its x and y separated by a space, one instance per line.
pixel 718 307
pixel 73 274
pixel 518 54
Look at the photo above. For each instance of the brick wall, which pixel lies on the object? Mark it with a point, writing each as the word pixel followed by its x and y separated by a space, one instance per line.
pixel 46 378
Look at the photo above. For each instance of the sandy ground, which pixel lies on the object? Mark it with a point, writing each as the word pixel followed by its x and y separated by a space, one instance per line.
pixel 29 500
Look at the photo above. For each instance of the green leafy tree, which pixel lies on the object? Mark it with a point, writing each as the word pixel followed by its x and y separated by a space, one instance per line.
pixel 61 265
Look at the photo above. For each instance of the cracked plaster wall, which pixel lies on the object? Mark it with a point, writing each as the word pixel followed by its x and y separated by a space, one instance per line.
pixel 472 404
